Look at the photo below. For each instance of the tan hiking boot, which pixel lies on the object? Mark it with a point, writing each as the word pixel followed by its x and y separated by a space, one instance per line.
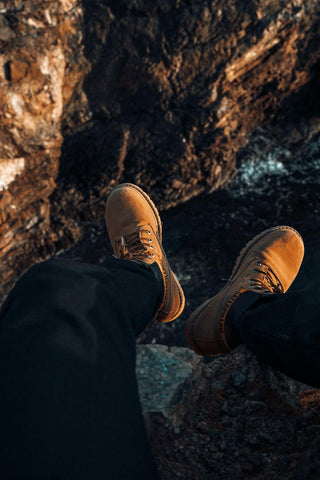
pixel 135 232
pixel 268 264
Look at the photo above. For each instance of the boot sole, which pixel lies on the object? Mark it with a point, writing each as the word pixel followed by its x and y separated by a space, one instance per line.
pixel 190 323
pixel 149 201
pixel 180 309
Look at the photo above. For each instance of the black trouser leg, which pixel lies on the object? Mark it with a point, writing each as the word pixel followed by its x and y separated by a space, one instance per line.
pixel 282 330
pixel 69 405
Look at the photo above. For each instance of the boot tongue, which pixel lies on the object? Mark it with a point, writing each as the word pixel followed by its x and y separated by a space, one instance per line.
pixel 131 245
pixel 122 249
pixel 266 280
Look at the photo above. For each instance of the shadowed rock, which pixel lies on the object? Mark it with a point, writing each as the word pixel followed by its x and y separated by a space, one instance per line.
pixel 229 418
pixel 161 372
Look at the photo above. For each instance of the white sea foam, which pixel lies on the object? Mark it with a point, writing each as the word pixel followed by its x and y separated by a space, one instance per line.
pixel 251 172
pixel 259 172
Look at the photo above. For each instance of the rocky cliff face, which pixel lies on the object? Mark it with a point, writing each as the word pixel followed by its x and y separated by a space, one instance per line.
pixel 163 94
pixel 40 47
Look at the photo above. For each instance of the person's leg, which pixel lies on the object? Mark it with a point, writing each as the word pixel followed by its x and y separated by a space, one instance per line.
pixel 282 330
pixel 69 405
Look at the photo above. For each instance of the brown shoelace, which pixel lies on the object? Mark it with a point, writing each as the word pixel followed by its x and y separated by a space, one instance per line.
pixel 270 283
pixel 135 246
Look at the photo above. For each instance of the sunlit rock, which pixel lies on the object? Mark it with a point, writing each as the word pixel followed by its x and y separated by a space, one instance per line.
pixel 9 169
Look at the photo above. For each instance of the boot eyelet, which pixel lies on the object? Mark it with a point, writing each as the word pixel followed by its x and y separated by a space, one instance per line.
pixel 148 232
pixel 151 247
pixel 259 263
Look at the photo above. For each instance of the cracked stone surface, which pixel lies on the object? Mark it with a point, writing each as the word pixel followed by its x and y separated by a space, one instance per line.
pixel 233 417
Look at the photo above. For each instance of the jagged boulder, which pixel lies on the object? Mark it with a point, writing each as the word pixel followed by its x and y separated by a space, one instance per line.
pixel 231 418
